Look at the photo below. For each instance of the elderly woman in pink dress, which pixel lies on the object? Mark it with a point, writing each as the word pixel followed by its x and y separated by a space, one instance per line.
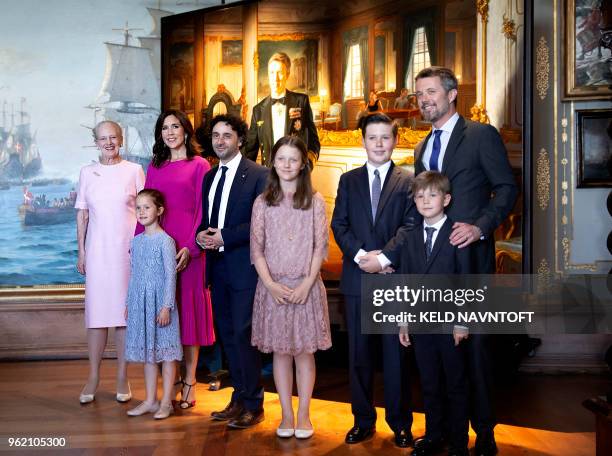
pixel 106 220
pixel 177 171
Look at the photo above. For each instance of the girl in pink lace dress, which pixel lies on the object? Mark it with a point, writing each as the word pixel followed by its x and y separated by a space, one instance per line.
pixel 289 240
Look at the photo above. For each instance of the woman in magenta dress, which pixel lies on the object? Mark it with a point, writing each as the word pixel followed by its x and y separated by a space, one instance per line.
pixel 177 171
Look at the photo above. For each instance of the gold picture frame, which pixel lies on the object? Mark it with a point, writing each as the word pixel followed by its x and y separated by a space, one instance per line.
pixel 585 53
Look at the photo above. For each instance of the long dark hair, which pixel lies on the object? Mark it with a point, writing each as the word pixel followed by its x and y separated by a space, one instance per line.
pixel 273 194
pixel 161 152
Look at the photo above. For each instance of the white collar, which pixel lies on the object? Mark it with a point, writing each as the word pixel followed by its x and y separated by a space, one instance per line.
pixel 382 169
pixel 436 225
pixel 233 163
pixel 449 124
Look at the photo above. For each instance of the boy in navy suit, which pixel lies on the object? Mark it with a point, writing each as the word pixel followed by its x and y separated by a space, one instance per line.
pixel 373 213
pixel 440 357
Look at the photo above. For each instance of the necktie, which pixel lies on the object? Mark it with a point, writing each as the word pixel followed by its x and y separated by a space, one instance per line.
pixel 376 189
pixel 428 241
pixel 280 100
pixel 435 151
pixel 214 215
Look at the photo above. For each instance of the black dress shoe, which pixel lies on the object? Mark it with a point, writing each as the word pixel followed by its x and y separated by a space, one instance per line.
pixel 403 439
pixel 426 447
pixel 247 419
pixel 485 445
pixel 233 410
pixel 359 434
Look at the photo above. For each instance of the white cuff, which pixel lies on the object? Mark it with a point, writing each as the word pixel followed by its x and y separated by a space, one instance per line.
pixel 359 254
pixel 383 260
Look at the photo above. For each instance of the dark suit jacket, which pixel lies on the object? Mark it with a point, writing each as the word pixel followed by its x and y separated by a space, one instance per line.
pixel 445 258
pixel 249 182
pixel 482 185
pixel 352 220
pixel 260 134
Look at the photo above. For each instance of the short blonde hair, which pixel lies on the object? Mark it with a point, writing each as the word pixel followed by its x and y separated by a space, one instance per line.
pixel 282 58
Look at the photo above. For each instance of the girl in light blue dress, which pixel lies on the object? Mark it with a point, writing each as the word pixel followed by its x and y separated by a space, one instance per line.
pixel 153 334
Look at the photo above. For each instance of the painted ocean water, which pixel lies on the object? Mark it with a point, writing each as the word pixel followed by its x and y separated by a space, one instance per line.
pixel 36 255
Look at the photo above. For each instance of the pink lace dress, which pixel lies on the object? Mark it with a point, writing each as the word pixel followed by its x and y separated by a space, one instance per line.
pixel 287 238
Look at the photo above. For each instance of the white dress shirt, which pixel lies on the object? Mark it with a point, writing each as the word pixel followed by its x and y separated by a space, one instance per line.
pixel 437 226
pixel 279 118
pixel 382 171
pixel 232 168
pixel 447 130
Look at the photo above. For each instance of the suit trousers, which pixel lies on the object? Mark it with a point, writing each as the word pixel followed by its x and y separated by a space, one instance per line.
pixel 364 350
pixel 443 373
pixel 482 415
pixel 233 310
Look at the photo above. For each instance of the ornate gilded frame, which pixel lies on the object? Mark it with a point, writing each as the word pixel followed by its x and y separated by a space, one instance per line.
pixel 572 89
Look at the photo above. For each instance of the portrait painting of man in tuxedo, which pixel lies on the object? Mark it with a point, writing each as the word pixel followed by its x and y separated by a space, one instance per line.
pixel 282 113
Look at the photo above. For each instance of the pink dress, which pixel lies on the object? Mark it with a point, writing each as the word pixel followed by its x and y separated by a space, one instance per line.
pixel 181 184
pixel 287 238
pixel 108 192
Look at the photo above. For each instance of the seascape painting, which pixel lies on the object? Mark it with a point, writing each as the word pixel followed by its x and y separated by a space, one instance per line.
pixel 62 72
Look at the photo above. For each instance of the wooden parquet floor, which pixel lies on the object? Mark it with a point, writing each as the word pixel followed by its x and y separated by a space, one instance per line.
pixel 40 399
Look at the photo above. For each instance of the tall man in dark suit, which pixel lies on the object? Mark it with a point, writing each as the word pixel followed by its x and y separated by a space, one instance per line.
pixel 374 211
pixel 473 157
pixel 229 191
pixel 281 113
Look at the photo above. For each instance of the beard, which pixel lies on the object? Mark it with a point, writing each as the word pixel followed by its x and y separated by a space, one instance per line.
pixel 227 153
pixel 437 113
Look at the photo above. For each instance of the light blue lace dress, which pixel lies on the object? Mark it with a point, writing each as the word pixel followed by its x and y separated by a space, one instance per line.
pixel 152 287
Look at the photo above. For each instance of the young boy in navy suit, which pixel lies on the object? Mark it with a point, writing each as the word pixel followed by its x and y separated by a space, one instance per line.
pixel 440 357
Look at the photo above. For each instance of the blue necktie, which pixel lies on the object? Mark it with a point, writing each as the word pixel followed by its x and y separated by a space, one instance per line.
pixel 435 151
pixel 214 213
pixel 430 230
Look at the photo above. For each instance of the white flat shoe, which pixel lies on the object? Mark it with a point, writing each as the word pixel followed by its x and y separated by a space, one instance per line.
pixel 143 408
pixel 303 433
pixel 284 433
pixel 164 412
pixel 124 397
pixel 86 398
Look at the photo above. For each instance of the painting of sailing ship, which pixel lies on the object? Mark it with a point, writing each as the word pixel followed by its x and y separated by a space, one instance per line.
pixel 39 172
pixel 19 155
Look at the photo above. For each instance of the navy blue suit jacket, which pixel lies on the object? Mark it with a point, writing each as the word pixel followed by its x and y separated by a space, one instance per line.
pixel 249 182
pixel 482 184
pixel 353 226
pixel 445 258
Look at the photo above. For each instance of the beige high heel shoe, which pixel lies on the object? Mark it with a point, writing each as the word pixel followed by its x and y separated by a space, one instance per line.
pixel 86 398
pixel 124 397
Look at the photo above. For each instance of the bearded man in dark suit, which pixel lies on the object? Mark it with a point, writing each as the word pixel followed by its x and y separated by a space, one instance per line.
pixel 473 157
pixel 281 113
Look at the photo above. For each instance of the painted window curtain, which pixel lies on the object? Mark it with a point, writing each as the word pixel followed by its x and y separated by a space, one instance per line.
pixel 351 37
pixel 427 20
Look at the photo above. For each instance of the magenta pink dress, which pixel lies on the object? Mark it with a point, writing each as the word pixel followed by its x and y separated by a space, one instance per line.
pixel 181 184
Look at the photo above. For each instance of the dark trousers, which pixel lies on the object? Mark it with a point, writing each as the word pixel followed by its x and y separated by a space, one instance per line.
pixel 444 382
pixel 364 350
pixel 482 415
pixel 233 310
